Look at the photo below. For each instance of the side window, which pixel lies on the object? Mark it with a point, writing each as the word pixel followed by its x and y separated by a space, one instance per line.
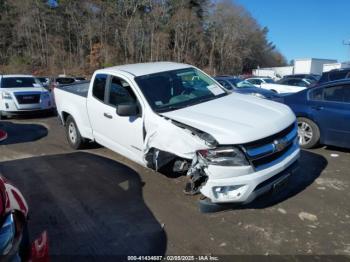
pixel 258 81
pixel 337 75
pixel 301 83
pixel 291 82
pixel 316 94
pixel 119 92
pixel 224 84
pixel 333 93
pixel 99 87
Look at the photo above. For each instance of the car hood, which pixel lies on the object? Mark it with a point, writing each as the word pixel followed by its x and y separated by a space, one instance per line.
pixel 236 118
pixel 251 90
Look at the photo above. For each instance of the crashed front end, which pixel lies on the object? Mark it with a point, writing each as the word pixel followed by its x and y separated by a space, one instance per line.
pixel 222 173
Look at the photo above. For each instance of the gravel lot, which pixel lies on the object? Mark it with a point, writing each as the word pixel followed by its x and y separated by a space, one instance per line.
pixel 95 202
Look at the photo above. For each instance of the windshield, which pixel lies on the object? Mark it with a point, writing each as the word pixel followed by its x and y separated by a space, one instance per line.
pixel 18 82
pixel 176 89
pixel 269 80
pixel 239 83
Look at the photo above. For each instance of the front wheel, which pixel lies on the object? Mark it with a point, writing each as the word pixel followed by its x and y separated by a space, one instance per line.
pixel 74 138
pixel 2 117
pixel 309 133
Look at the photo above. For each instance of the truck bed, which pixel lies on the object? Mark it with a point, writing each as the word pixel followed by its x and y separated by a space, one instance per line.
pixel 79 88
pixel 71 99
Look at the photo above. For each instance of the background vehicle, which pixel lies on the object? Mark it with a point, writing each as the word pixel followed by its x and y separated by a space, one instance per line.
pixel 257 81
pixel 14 238
pixel 79 78
pixel 45 81
pixel 302 82
pixel 336 74
pixel 312 77
pixel 241 86
pixel 65 80
pixel 269 84
pixel 23 94
pixel 164 113
pixel 61 81
pixel 323 114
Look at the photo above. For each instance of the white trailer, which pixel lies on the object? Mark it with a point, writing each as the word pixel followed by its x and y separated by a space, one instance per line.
pixel 331 66
pixel 311 65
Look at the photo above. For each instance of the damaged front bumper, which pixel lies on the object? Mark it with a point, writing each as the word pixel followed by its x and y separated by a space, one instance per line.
pixel 243 184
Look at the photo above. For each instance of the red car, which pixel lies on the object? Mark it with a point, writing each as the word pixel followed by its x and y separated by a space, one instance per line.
pixel 14 238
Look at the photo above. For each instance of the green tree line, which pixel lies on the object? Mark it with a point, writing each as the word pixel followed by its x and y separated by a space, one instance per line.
pixel 79 36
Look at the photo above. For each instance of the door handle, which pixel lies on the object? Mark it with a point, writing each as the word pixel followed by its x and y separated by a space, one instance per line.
pixel 317 107
pixel 107 115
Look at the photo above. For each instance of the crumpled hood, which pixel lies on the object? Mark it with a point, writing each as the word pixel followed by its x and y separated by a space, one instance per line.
pixel 236 118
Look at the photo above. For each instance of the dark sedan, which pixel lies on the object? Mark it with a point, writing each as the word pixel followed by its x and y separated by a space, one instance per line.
pixel 244 87
pixel 303 82
pixel 323 114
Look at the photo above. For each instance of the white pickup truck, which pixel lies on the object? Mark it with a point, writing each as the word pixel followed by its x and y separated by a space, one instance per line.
pixel 23 94
pixel 233 147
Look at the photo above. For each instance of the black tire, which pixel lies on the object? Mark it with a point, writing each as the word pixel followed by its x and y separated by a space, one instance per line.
pixel 309 133
pixel 2 117
pixel 24 247
pixel 74 138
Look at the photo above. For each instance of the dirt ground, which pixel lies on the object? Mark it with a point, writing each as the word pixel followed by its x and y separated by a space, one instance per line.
pixel 96 202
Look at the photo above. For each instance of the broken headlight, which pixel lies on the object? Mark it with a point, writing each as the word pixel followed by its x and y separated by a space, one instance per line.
pixel 224 156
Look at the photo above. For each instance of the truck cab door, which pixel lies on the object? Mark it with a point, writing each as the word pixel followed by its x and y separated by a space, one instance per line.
pixel 122 134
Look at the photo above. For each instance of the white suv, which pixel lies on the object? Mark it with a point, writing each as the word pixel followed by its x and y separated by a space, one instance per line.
pixel 21 94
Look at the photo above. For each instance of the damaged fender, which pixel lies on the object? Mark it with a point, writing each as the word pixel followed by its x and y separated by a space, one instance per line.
pixel 166 140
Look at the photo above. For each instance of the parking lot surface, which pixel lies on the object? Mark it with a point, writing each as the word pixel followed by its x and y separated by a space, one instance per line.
pixel 95 202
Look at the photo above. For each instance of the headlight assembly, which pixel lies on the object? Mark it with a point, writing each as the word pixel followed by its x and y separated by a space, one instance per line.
pixel 224 156
pixel 6 95
pixel 7 234
pixel 45 95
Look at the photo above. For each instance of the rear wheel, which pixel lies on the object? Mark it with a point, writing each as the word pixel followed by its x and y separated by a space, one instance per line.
pixel 74 138
pixel 309 133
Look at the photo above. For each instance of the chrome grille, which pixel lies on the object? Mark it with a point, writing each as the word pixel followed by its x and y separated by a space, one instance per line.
pixel 264 152
pixel 28 98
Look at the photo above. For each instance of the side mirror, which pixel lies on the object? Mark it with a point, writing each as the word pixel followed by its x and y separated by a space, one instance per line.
pixel 130 109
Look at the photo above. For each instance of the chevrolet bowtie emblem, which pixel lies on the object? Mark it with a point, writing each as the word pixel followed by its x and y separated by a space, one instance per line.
pixel 279 145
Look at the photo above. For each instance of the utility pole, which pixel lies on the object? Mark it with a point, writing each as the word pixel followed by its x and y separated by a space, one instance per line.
pixel 347 42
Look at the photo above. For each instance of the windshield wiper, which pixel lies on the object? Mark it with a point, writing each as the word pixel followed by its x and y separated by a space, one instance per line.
pixel 170 108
